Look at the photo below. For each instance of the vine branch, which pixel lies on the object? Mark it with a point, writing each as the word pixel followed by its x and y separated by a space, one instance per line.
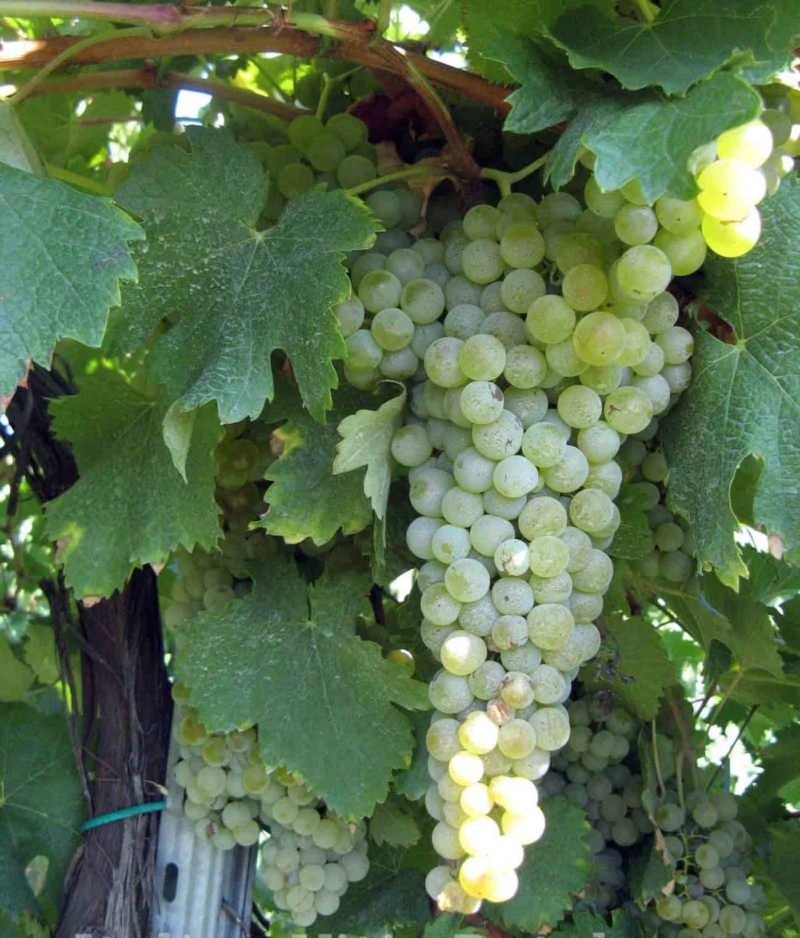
pixel 288 40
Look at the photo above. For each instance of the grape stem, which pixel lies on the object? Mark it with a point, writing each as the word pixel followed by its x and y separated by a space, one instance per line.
pixel 647 11
pixel 657 760
pixel 410 173
pixel 742 728
pixel 679 778
pixel 90 185
pixel 19 96
pixel 506 180
pixel 328 84
pixel 384 16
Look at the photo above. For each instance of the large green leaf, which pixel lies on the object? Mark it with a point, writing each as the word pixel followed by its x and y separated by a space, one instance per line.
pixel 643 668
pixel 644 136
pixel 241 294
pixel 306 499
pixel 130 506
pixel 688 41
pixel 555 868
pixel 62 256
pixel 287 658
pixel 16 678
pixel 587 925
pixel 41 804
pixel 745 397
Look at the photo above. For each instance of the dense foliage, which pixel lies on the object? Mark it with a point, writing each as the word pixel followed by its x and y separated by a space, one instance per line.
pixel 423 405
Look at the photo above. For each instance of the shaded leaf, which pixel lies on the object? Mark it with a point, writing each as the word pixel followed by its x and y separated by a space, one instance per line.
pixel 392 824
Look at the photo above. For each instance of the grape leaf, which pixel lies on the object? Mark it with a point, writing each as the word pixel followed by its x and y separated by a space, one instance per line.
pixel 689 40
pixel 287 658
pixel 62 254
pixel 61 135
pixel 745 397
pixel 392 824
pixel 130 506
pixel 40 652
pixel 241 293
pixel 366 441
pixel 709 611
pixel 650 875
pixel 413 782
pixel 447 925
pixel 643 136
pixel 784 861
pixel 555 868
pixel 644 668
pixel 306 499
pixel 392 896
pixel 486 20
pixel 634 538
pixel 15 148
pixel 16 678
pixel 41 805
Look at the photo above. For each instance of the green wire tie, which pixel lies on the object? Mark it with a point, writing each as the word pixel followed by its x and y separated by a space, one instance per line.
pixel 123 815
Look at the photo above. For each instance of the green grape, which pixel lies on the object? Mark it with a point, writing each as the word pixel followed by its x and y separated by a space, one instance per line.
pixel 392 329
pixel 522 246
pixel 525 368
pixel 661 314
pixel 423 301
pixel 562 359
pixel 678 217
pixel 599 443
pixel 685 252
pixel 704 814
pixel 548 556
pixel 514 476
pixel 732 920
pixel 595 576
pixel 628 410
pixel 519 289
pixel 569 474
pixel 501 438
pixel 304 130
pixel 605 204
pixel 379 289
pixel 552 728
pixel 677 344
pixel 542 516
pixel 591 510
pixel 550 625
pixel 481 222
pixel 602 379
pixel 442 363
pixel 635 224
pixel 652 363
pixel 365 265
pixel 637 343
pixel 350 130
pixel 643 272
pixel 363 352
pixel 633 193
pixel 706 857
pixel 550 319
pixel 585 287
pixel 579 248
pixel 669 817
pixel 462 653
pixel 516 739
pixel 695 914
pixel 579 406
pixel 295 179
pixel 464 321
pixel 406 265
pixel 350 315
pixel 734 238
pixel 355 170
pixel 386 206
pixel 482 261
pixel 599 338
pixel 482 358
pixel 326 152
pixel 558 207
pixel 481 402
pixel 400 365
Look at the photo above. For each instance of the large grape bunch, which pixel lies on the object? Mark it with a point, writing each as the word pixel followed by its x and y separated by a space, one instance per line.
pixel 311 855
pixel 557 342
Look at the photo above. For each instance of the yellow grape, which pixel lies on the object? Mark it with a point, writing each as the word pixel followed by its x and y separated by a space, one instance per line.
pixel 750 144
pixel 476 800
pixel 729 190
pixel 732 239
pixel 524 828
pixel 500 885
pixel 478 835
pixel 465 768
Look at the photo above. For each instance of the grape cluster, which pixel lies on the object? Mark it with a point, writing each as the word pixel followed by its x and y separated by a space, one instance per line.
pixel 311 855
pixel 524 397
pixel 672 544
pixel 596 771
pixel 734 175
pixel 708 847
